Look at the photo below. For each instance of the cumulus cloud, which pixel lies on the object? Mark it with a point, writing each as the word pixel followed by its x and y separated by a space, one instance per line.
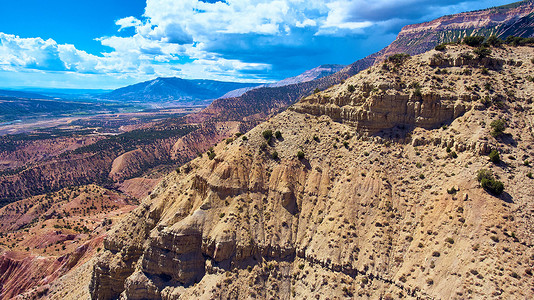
pixel 246 40
pixel 127 23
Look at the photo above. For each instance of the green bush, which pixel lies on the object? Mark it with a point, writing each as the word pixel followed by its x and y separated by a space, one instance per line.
pixel 494 41
pixel 275 155
pixel 498 127
pixel 440 47
pixel 495 157
pixel 244 138
pixel 417 92
pixel 300 155
pixel 211 155
pixel 482 52
pixel 267 134
pixel 317 90
pixel 518 41
pixel 278 134
pixel 399 58
pixel 474 41
pixel 489 183
pixel 351 88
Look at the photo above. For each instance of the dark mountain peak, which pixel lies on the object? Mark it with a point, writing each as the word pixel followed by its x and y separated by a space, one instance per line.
pixel 175 89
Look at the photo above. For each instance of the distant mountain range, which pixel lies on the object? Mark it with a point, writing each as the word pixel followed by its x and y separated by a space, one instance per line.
pixel 20 94
pixel 198 91
pixel 166 89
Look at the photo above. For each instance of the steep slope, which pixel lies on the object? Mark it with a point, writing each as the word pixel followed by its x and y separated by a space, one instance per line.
pixel 175 89
pixel 226 117
pixel 370 190
pixel 509 20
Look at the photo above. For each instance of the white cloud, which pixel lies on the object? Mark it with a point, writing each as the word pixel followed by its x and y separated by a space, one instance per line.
pixel 306 23
pixel 127 23
pixel 246 40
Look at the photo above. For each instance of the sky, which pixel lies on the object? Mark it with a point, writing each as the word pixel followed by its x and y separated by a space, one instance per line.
pixel 106 44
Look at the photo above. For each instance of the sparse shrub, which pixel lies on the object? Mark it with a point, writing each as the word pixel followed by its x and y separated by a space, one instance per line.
pixel 440 47
pixel 238 134
pixel 436 254
pixel 495 157
pixel 526 163
pixel 529 175
pixel 467 72
pixel 453 154
pixel 484 71
pixel 515 275
pixel 467 56
pixel 474 41
pixel 418 165
pixel 316 138
pixel 317 90
pixel 452 191
pixel 489 183
pixel 422 176
pixel 399 58
pixel 417 92
pixel 497 127
pixel 211 155
pixel 221 215
pixel 345 144
pixel 300 155
pixel 518 41
pixel 494 41
pixel 244 138
pixel 494 238
pixel 429 281
pixel 267 134
pixel 278 134
pixel 450 240
pixel 275 155
pixel 351 88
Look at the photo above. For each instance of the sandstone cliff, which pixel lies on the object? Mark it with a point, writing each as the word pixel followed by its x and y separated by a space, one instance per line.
pixel 369 191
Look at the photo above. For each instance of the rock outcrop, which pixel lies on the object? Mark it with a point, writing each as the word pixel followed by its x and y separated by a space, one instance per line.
pixel 352 204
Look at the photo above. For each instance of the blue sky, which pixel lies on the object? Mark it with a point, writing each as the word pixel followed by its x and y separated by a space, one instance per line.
pixel 112 43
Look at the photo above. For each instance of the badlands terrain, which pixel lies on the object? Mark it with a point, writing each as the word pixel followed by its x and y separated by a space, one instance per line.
pixel 367 189
pixel 343 186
